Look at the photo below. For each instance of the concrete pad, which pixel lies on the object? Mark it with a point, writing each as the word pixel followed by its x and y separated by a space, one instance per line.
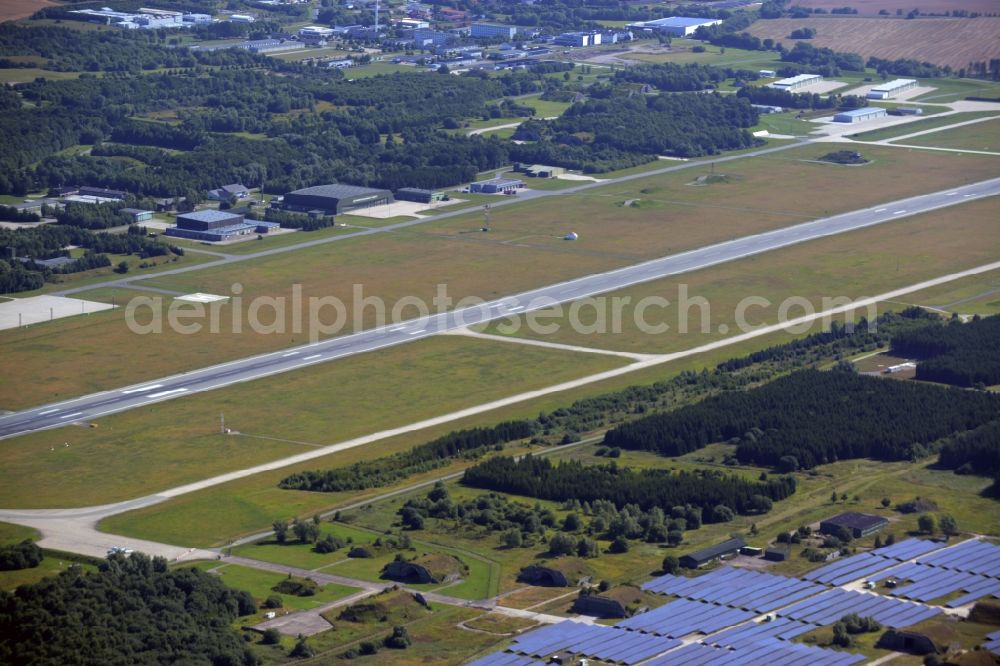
pixel 861 91
pixel 199 297
pixel 821 87
pixel 398 208
pixel 37 309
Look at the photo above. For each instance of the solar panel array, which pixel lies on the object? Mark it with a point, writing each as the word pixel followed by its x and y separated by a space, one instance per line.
pixel 831 605
pixel 907 549
pixel 739 588
pixel 974 556
pixel 781 628
pixel 767 650
pixel 993 642
pixel 848 569
pixel 927 583
pixel 683 617
pixel 506 659
pixel 592 640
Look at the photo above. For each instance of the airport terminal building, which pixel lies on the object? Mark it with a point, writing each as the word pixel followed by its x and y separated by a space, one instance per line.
pixel 334 199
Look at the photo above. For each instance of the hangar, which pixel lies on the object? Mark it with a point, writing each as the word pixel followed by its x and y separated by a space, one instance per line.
pixel 859 115
pixel 335 199
pixel 677 26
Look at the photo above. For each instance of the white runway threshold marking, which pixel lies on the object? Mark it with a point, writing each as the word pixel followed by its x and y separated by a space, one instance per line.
pixel 69 416
pixel 142 389
pixel 163 393
pixel 309 358
pixel 48 411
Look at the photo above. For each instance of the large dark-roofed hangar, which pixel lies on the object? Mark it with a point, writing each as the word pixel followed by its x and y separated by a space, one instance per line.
pixel 335 199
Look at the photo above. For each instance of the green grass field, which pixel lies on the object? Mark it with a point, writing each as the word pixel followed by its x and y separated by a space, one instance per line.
pixel 259 583
pixel 855 265
pixel 979 294
pixel 10 533
pixel 920 125
pixel 525 249
pixel 153 448
pixel 977 136
pixel 953 90
pixel 52 565
pixel 218 515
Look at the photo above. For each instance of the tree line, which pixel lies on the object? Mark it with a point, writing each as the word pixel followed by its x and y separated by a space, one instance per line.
pixel 814 418
pixel 540 478
pixel 955 353
pixel 388 470
pixel 973 452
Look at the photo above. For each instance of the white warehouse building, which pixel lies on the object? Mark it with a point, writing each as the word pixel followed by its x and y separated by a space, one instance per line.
pixel 796 82
pixel 891 88
pixel 859 115
pixel 676 26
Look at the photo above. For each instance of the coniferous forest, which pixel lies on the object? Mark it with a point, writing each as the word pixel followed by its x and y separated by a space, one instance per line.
pixel 572 480
pixel 815 417
pixel 955 353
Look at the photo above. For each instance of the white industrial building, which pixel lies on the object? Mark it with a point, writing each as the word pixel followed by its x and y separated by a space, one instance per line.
pixel 676 26
pixel 796 82
pixel 859 115
pixel 315 32
pixel 578 39
pixel 891 88
pixel 242 18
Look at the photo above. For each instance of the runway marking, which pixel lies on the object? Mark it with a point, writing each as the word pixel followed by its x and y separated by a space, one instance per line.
pixel 898 212
pixel 48 411
pixel 67 416
pixel 289 354
pixel 516 307
pixel 309 358
pixel 397 329
pixel 170 392
pixel 950 194
pixel 968 195
pixel 421 330
pixel 143 388
pixel 880 210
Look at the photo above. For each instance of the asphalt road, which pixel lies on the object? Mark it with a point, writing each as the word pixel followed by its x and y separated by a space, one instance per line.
pixel 90 407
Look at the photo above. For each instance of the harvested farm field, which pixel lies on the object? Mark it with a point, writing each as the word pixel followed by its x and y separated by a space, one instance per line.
pixel 942 41
pixel 12 10
pixel 873 7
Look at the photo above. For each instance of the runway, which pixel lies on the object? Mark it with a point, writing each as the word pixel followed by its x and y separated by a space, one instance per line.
pixel 90 407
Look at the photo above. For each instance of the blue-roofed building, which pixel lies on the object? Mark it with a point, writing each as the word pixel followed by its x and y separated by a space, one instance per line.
pixel 675 26
pixel 214 226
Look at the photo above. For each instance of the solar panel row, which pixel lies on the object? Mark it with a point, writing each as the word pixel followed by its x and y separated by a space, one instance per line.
pixel 830 606
pixel 739 588
pixel 682 617
pixel 993 642
pixel 851 568
pixel 595 641
pixel 974 555
pixel 781 628
pixel 505 659
pixel 931 583
pixel 767 650
pixel 907 549
pixel 988 587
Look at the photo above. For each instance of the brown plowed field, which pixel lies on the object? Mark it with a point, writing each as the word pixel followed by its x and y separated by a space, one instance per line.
pixel 12 10
pixel 942 41
pixel 872 7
